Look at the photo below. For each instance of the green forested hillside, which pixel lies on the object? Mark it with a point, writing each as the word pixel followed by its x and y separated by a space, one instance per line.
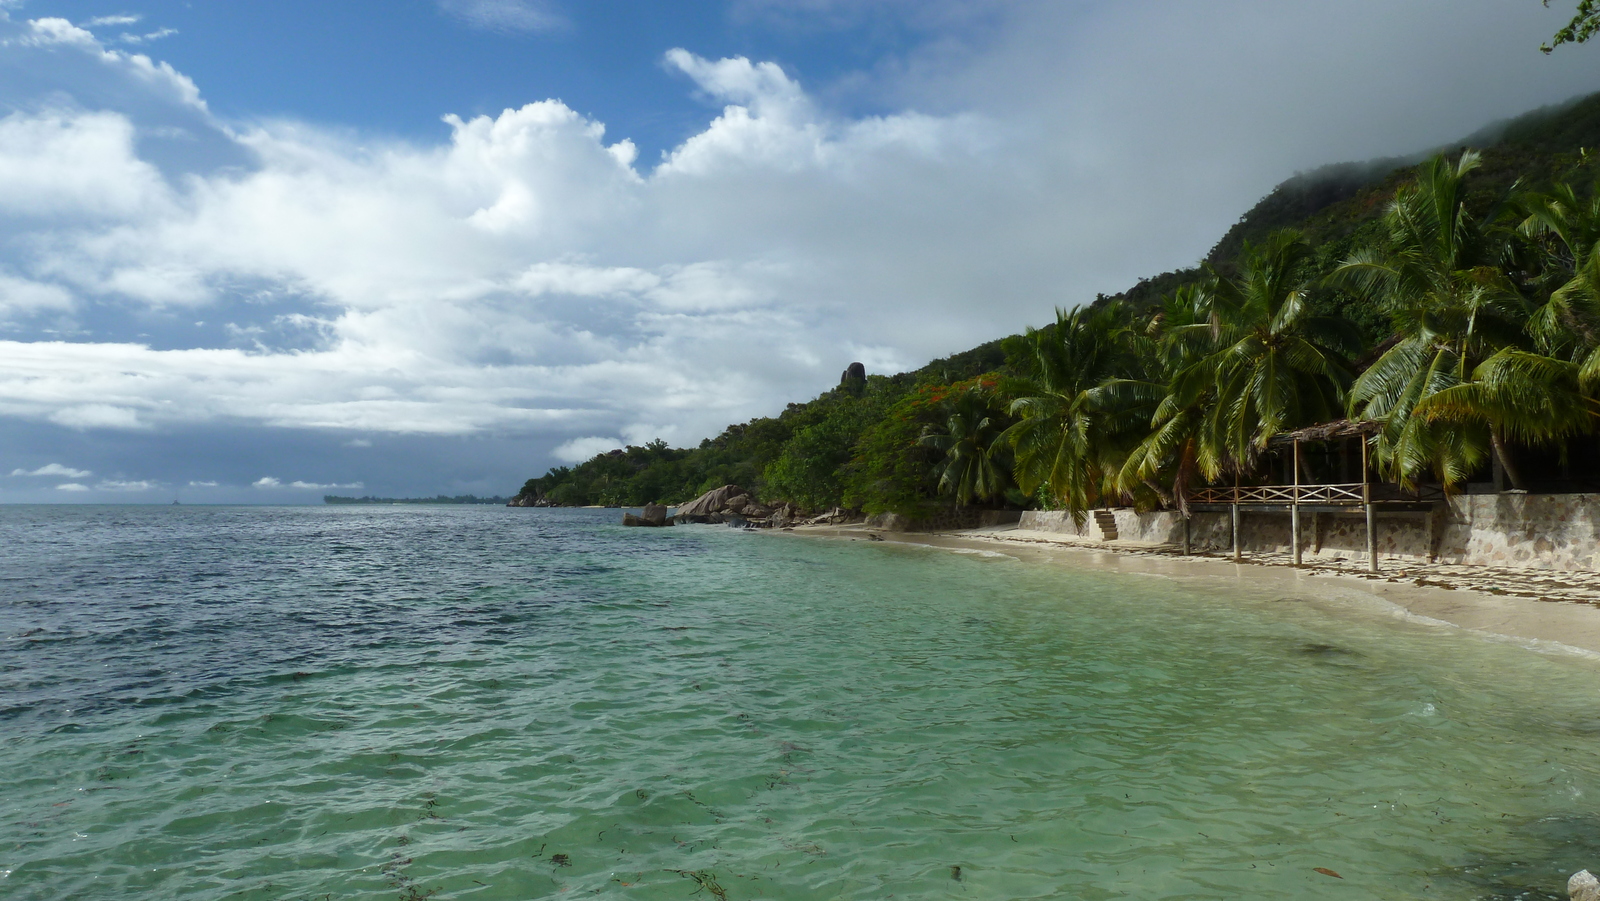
pixel 1445 298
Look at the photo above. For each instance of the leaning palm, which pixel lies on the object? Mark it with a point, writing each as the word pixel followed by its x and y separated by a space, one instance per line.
pixel 1443 283
pixel 972 467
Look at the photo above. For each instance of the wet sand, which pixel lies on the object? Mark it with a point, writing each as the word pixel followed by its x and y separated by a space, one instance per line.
pixel 1544 610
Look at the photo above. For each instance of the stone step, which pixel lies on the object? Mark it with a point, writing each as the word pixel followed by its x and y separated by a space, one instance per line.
pixel 1107 522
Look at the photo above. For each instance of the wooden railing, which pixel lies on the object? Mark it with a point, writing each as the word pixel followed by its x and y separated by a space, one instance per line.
pixel 1351 494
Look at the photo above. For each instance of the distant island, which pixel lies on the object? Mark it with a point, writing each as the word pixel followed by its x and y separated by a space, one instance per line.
pixel 438 499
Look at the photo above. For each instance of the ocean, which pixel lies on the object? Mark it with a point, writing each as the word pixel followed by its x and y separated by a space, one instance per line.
pixel 491 703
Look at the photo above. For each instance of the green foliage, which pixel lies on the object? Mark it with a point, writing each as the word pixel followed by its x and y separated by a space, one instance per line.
pixel 975 462
pixel 810 471
pixel 1451 306
pixel 1080 404
pixel 1582 27
pixel 890 471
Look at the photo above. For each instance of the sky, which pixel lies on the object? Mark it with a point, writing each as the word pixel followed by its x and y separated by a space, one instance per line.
pixel 259 253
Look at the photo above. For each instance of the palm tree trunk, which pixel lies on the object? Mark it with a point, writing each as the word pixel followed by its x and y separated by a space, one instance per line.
pixel 1153 485
pixel 1502 453
pixel 1180 482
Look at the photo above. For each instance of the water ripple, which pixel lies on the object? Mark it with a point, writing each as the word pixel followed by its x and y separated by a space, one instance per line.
pixel 209 703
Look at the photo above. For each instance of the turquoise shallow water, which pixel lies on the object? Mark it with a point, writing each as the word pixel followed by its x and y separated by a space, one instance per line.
pixel 398 703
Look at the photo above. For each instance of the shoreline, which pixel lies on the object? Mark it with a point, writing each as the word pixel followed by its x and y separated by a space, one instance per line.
pixel 1550 612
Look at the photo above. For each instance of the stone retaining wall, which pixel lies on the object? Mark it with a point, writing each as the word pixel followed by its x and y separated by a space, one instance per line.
pixel 945 520
pixel 1539 531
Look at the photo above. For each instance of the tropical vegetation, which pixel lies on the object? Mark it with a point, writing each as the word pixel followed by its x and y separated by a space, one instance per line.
pixel 1454 305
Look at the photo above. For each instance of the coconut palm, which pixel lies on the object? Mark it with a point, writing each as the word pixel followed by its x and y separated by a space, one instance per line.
pixel 1567 226
pixel 1080 408
pixel 1442 281
pixel 1276 363
pixel 1170 455
pixel 1247 358
pixel 1529 397
pixel 1543 398
pixel 973 467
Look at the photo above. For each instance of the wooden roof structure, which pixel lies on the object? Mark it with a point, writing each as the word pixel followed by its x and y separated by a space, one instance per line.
pixel 1328 431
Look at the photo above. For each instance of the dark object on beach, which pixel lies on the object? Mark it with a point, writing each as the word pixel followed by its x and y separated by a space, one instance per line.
pixel 872 537
pixel 1326 872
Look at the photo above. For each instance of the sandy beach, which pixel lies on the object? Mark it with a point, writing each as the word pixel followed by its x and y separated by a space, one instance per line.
pixel 1547 610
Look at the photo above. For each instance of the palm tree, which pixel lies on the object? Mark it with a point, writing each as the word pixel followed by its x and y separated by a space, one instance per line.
pixel 1545 397
pixel 1250 359
pixel 1567 225
pixel 1276 363
pixel 1442 281
pixel 973 466
pixel 1079 405
pixel 1170 455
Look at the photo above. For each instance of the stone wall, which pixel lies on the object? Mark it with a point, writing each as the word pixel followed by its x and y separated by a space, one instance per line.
pixel 1541 531
pixel 946 520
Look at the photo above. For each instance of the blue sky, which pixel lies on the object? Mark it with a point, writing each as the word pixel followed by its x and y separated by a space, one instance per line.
pixel 396 67
pixel 258 252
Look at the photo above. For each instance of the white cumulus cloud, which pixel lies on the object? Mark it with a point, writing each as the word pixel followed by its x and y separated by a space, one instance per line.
pixel 72 486
pixel 120 485
pixel 580 449
pixel 54 469
pixel 271 482
pixel 123 19
pixel 96 416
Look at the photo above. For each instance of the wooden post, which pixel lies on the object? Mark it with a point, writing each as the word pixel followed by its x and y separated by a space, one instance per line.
pixel 1236 555
pixel 1372 510
pixel 1294 507
pixel 1186 544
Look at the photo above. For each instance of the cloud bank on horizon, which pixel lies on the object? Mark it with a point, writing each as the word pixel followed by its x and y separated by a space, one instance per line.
pixel 179 293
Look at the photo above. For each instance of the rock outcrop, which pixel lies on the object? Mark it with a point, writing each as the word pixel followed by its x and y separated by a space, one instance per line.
pixel 854 379
pixel 1583 886
pixel 730 503
pixel 653 515
pixel 716 505
pixel 528 500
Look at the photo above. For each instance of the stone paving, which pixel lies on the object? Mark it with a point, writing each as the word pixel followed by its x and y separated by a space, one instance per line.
pixel 1542 584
